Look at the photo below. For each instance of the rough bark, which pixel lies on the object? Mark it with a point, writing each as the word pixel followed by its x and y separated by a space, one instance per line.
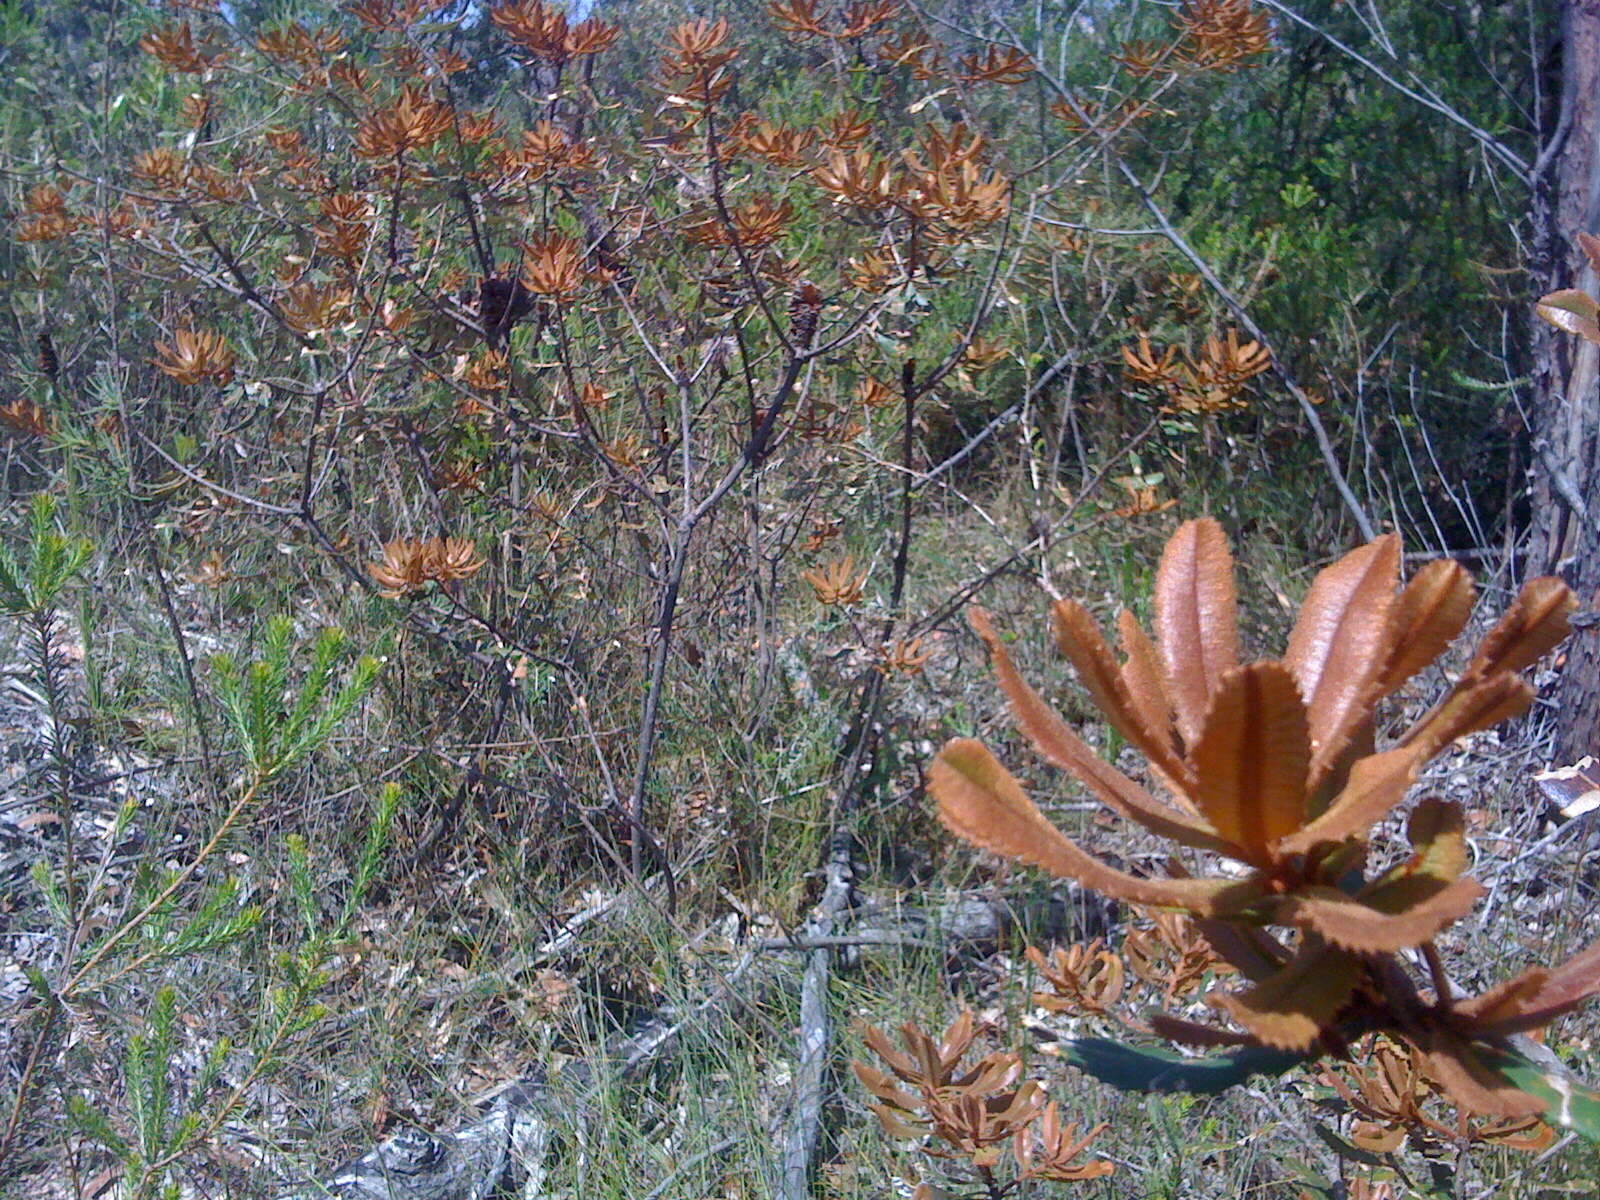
pixel 1565 416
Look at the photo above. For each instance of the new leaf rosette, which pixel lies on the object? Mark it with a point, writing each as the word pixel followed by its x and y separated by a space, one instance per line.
pixel 1274 766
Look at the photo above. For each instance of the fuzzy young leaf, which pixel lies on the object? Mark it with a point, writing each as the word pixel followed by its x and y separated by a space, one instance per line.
pixel 1530 628
pixel 1252 759
pixel 982 802
pixel 1081 643
pixel 1429 614
pixel 1196 619
pixel 1289 1010
pixel 1341 641
pixel 1059 745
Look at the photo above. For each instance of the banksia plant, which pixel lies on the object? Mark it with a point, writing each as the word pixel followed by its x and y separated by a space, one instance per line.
pixel 1273 766
pixel 195 356
pixel 837 582
pixel 1390 1099
pixel 411 564
pixel 973 1111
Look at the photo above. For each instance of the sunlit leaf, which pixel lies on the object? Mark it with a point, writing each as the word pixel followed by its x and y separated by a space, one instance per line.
pixel 1462 1068
pixel 1470 708
pixel 1059 745
pixel 1429 614
pixel 1529 629
pixel 1341 640
pixel 1141 675
pixel 1196 619
pixel 1573 312
pixel 1080 642
pixel 980 801
pixel 1252 758
pixel 1537 996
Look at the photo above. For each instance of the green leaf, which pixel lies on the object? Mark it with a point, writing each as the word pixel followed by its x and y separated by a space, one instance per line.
pixel 95 1124
pixel 1137 1069
pixel 1344 1149
pixel 1569 1103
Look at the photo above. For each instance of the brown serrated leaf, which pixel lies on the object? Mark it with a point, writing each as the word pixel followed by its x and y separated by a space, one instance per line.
pixel 1289 1010
pixel 1377 783
pixel 1192 1033
pixel 882 1086
pixel 896 1128
pixel 901 1064
pixel 981 801
pixel 1561 990
pixel 1252 759
pixel 1437 831
pixel 1254 953
pixel 1451 1063
pixel 1375 1138
pixel 1080 642
pixel 1341 641
pixel 1196 619
pixel 1471 706
pixel 1492 1011
pixel 1429 614
pixel 1530 628
pixel 1058 745
pixel 1141 674
pixel 1422 908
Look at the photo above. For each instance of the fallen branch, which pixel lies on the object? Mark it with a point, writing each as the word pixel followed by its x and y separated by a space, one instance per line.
pixel 510 1142
pixel 805 1114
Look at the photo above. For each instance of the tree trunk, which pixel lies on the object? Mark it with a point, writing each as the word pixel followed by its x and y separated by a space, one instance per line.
pixel 1565 491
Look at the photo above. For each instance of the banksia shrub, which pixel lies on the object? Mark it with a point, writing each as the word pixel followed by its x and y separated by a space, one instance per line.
pixel 411 564
pixel 1273 766
pixel 973 1111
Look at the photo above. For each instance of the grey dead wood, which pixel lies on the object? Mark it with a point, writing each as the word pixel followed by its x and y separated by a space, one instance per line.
pixel 805 1111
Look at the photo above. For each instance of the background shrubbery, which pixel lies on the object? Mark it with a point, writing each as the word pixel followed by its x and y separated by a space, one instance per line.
pixel 494 459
